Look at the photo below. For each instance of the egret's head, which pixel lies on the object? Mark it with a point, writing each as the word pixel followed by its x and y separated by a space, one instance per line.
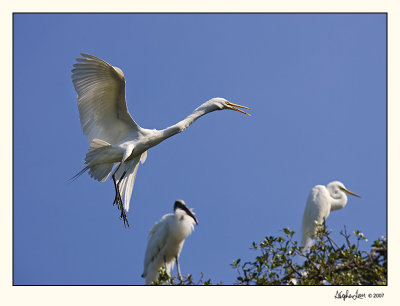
pixel 336 189
pixel 221 103
pixel 180 204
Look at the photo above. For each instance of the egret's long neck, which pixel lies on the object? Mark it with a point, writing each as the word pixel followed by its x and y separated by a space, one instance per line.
pixel 182 125
pixel 339 202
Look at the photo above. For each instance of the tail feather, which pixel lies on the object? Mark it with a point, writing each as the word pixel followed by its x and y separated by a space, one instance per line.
pixel 97 146
pixel 79 174
pixel 99 172
pixel 98 143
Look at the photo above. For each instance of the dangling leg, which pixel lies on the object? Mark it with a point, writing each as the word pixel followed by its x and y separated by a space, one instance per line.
pixel 118 199
pixel 178 268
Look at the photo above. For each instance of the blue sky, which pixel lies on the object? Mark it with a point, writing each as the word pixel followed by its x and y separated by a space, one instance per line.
pixel 316 86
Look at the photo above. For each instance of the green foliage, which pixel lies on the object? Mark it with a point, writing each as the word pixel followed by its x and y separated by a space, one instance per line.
pixel 282 261
pixel 165 278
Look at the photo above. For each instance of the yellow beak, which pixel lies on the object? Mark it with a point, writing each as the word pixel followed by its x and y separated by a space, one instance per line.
pixel 234 107
pixel 352 193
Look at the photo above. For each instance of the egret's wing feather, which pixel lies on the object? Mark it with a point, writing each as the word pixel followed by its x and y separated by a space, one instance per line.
pixel 156 242
pixel 314 213
pixel 101 100
pixel 143 157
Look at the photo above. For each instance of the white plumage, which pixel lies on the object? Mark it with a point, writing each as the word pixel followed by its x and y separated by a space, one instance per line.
pixel 165 241
pixel 113 135
pixel 321 201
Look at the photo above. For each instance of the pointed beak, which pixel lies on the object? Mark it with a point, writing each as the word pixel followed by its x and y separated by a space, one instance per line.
pixel 194 218
pixel 191 214
pixel 352 193
pixel 235 107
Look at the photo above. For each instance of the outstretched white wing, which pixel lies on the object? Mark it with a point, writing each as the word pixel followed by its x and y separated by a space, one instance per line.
pixel 101 100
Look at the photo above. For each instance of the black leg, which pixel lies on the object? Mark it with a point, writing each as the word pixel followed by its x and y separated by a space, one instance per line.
pixel 118 199
pixel 117 195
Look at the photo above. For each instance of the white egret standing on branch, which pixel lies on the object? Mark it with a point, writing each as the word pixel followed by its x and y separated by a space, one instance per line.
pixel 113 135
pixel 321 201
pixel 165 241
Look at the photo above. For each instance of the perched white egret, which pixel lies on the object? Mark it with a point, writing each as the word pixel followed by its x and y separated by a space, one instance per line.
pixel 113 135
pixel 321 201
pixel 165 241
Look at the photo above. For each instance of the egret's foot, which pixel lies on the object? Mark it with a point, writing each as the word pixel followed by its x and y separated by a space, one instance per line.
pixel 120 204
pixel 123 217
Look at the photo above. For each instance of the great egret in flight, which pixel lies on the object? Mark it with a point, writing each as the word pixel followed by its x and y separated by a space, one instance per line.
pixel 321 201
pixel 165 241
pixel 113 135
